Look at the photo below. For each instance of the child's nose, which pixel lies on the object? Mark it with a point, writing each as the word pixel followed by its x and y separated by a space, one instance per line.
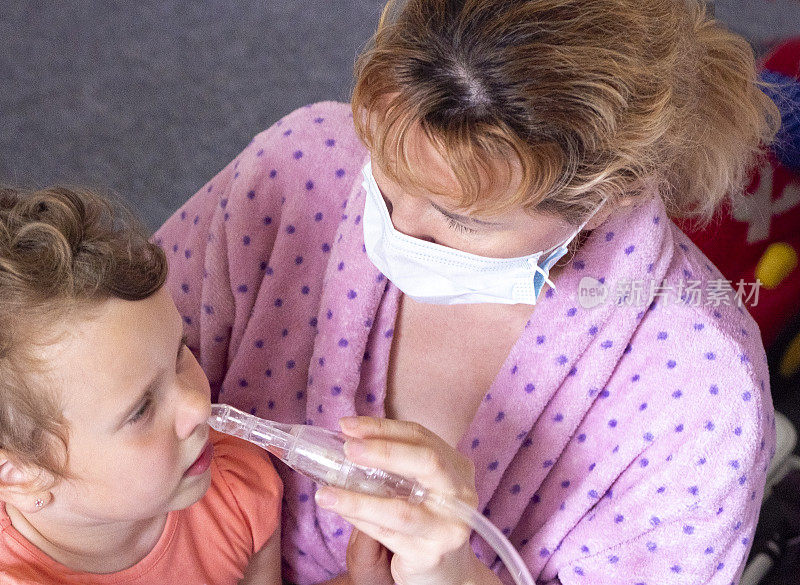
pixel 194 406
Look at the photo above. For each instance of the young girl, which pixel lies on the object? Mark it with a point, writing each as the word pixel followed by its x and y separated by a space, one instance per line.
pixel 108 471
pixel 391 260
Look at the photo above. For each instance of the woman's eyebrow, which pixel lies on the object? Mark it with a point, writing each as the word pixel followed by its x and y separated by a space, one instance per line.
pixel 462 218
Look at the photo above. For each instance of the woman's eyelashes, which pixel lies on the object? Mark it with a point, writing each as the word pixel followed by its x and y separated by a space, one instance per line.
pixel 458 226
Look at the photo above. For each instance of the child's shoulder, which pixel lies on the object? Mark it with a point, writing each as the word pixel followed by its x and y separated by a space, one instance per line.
pixel 240 465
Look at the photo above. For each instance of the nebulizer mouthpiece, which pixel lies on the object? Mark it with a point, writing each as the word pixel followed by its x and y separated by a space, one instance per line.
pixel 318 454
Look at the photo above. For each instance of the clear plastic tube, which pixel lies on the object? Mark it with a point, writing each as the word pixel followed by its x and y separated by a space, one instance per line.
pixel 318 454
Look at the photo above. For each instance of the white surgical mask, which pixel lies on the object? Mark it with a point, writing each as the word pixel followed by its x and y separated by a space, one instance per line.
pixel 432 273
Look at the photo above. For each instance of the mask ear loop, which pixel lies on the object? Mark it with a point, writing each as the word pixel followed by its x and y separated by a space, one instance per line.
pixel 565 243
pixel 580 227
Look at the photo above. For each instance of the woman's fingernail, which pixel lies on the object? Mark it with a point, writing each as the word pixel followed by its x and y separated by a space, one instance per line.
pixel 354 448
pixel 325 498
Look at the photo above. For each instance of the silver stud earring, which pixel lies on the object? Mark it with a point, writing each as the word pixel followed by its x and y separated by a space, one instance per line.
pixel 38 503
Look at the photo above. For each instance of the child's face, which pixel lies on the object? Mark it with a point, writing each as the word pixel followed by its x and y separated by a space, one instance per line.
pixel 137 402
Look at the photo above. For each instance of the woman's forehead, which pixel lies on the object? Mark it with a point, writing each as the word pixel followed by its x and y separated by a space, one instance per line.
pixel 421 166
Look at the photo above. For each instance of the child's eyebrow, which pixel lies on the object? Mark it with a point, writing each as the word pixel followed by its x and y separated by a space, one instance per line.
pixel 151 387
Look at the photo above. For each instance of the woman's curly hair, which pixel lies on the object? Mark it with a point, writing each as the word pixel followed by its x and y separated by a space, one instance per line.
pixel 591 98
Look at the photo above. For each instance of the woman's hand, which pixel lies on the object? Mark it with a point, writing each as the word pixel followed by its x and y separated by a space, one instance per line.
pixel 428 548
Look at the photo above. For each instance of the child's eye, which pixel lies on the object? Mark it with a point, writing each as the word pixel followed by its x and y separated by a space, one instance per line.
pixel 142 411
pixel 459 227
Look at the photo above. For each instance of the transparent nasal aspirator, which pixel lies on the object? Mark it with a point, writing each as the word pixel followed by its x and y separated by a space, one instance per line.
pixel 318 454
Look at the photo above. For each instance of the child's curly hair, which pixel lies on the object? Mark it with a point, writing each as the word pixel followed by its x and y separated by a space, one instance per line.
pixel 62 251
pixel 590 97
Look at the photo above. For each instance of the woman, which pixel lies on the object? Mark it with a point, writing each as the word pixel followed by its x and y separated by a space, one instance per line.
pixel 614 439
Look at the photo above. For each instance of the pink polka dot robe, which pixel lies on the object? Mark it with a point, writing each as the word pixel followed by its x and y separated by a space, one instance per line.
pixel 620 444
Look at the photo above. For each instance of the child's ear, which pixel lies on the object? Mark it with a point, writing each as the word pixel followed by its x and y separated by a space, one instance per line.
pixel 22 486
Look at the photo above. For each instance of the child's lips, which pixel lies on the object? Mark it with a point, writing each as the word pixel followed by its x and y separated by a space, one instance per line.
pixel 203 461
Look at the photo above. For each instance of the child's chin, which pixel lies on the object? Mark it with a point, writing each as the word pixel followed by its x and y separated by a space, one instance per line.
pixel 193 492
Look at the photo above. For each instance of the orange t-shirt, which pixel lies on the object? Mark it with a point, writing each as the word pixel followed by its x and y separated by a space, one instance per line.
pixel 208 543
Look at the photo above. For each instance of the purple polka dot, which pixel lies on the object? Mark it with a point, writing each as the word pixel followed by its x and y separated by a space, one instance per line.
pixel 529 387
pixel 290 229
pixel 671 364
pixel 246 240
pixel 298 154
pixel 330 142
pixel 351 294
pixel 242 288
pixel 343 342
pixel 336 390
pixel 273 173
pixel 340 173
pixel 305 290
pixel 571 312
pixel 267 220
pixel 629 250
pixel 309 185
